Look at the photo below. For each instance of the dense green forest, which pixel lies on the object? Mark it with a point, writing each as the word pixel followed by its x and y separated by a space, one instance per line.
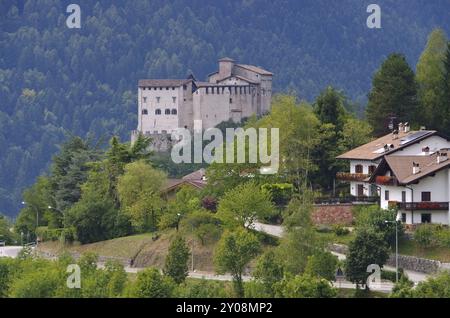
pixel 56 82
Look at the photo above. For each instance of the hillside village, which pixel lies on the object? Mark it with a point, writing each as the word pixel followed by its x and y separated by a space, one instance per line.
pixel 350 193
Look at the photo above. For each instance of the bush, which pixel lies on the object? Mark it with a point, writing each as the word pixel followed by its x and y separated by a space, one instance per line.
pixel 390 275
pixel 339 230
pixel 322 228
pixel 426 235
pixel 281 193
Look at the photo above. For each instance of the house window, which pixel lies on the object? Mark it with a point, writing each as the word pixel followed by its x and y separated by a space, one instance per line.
pixel 403 196
pixel 157 99
pixel 167 111
pixel 231 101
pixel 174 111
pixel 145 99
pixel 174 99
pixel 426 217
pixel 372 169
pixel 144 112
pixel 185 87
pixel 358 169
pixel 207 90
pixel 158 111
pixel 386 195
pixel 426 196
pixel 173 88
pixel 403 217
pixel 167 88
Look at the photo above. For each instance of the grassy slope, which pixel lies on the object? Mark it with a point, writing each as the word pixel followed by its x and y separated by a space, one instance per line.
pixel 410 247
pixel 143 249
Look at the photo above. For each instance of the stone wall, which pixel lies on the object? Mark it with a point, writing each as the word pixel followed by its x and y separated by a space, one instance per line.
pixel 416 264
pixel 333 214
pixel 412 263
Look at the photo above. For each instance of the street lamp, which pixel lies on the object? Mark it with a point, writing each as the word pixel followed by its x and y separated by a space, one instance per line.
pixel 37 219
pixel 397 219
pixel 178 220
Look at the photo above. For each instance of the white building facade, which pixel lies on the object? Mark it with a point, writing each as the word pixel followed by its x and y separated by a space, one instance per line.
pixel 403 169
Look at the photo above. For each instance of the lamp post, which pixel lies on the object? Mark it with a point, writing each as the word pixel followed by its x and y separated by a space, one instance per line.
pixel 397 219
pixel 37 219
pixel 178 220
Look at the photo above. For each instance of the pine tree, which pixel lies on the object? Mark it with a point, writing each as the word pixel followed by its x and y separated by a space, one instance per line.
pixel 394 93
pixel 430 70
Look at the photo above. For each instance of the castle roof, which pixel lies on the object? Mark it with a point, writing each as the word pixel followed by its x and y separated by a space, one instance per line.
pixel 162 82
pixel 255 69
pixel 226 59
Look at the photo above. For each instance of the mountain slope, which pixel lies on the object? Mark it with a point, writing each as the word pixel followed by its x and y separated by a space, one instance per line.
pixel 56 81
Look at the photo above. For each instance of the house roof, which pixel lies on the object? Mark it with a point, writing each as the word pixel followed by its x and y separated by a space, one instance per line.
pixel 196 175
pixel 402 166
pixel 375 149
pixel 255 69
pixel 162 82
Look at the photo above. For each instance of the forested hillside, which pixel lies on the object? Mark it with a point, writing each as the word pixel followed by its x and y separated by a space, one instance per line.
pixel 56 82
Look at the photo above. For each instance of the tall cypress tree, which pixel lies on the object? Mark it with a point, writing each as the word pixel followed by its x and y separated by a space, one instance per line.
pixel 394 93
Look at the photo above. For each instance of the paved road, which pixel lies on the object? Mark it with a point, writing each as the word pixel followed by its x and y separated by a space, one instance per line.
pixel 10 251
pixel 275 230
pixel 195 274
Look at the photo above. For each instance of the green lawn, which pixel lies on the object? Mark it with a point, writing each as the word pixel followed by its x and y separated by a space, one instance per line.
pixel 410 247
pixel 333 238
pixel 350 293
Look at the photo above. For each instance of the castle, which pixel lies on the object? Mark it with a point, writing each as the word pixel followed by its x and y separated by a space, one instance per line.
pixel 233 92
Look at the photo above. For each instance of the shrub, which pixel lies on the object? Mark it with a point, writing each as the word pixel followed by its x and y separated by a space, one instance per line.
pixel 322 228
pixel 339 230
pixel 281 193
pixel 426 235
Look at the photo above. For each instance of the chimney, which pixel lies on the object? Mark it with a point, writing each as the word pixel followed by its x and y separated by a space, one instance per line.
pixel 441 157
pixel 416 168
pixel 422 128
pixel 400 127
pixel 394 134
pixel 225 67
pixel 426 150
pixel 406 127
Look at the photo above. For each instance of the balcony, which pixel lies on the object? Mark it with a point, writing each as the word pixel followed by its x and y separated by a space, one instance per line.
pixel 347 176
pixel 408 206
pixel 349 199
pixel 385 180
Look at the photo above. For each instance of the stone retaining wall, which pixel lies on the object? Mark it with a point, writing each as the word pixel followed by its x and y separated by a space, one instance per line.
pixel 407 262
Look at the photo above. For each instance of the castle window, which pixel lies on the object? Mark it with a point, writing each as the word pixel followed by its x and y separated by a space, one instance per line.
pixel 231 101
pixel 185 87
pixel 218 90
pixel 174 99
pixel 223 90
pixel 158 111
pixel 167 88
pixel 212 90
pixel 157 99
pixel 173 88
pixel 160 88
pixel 174 111
pixel 144 112
pixel 145 99
pixel 207 90
pixel 167 111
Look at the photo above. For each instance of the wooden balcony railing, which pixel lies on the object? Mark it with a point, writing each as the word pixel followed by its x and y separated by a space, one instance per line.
pixel 385 180
pixel 347 176
pixel 419 205
pixel 349 199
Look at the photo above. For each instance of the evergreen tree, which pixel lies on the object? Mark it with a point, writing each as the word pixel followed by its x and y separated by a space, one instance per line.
pixel 176 265
pixel 394 93
pixel 430 71
pixel 446 92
